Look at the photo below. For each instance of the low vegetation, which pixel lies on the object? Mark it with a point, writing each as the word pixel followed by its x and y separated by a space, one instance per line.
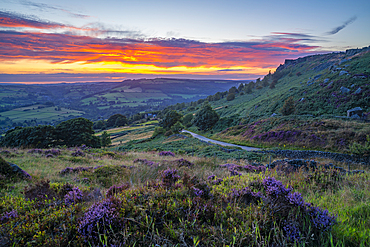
pixel 95 197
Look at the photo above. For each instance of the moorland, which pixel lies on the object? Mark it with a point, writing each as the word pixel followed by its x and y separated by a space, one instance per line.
pixel 125 181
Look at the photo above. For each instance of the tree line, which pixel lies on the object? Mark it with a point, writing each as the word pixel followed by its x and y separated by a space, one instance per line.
pixel 70 133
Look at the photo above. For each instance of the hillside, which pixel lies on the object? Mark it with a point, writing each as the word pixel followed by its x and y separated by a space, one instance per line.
pixel 314 82
pixel 323 87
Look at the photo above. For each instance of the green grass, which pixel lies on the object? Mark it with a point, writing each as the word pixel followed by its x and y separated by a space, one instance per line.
pixel 43 114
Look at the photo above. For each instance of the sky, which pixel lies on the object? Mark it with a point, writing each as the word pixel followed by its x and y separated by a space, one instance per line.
pixel 81 41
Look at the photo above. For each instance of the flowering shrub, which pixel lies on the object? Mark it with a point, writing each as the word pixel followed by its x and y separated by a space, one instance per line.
pixel 183 162
pixel 73 196
pixel 145 162
pixel 40 191
pixel 214 180
pixel 78 153
pixel 54 152
pixel 295 214
pixel 169 177
pixel 35 151
pixel 166 153
pixel 101 218
pixel 49 156
pixel 117 189
pixel 8 215
pixel 246 195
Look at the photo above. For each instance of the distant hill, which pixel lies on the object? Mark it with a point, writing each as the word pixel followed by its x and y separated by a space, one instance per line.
pixel 99 100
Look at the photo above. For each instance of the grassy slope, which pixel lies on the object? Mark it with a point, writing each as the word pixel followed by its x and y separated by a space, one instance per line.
pixel 318 103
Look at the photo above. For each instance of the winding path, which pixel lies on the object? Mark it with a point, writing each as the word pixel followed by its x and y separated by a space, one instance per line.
pixel 202 138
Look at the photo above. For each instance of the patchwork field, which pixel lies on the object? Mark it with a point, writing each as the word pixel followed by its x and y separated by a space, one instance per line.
pixel 39 113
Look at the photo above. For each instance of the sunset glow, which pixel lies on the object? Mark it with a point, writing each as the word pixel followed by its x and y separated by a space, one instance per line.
pixel 34 46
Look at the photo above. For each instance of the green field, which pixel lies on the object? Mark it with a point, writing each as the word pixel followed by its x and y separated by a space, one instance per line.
pixel 43 114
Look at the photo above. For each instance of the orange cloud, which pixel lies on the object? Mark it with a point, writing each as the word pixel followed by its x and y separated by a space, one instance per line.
pixel 39 52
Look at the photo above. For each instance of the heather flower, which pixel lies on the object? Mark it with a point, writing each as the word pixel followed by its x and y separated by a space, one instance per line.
pixel 117 189
pixel 183 162
pixel 166 153
pixel 292 232
pixel 73 196
pixel 234 172
pixel 275 188
pixel 145 162
pixel 35 151
pixel 198 192
pixel 169 177
pixel 54 152
pixel 321 219
pixel 8 215
pixel 246 195
pixel 78 153
pixel 49 156
pixel 296 199
pixel 101 218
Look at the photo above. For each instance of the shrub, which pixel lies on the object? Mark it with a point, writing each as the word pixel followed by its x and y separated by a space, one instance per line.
pixel 169 177
pixel 206 118
pixel 359 149
pixel 101 219
pixel 288 107
pixel 230 97
pixel 78 153
pixel 73 196
pixel 158 131
pixel 40 191
pixel 117 189
pixel 166 153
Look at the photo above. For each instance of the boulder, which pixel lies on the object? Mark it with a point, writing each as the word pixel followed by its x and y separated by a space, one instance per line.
pixel 343 72
pixel 273 115
pixel 326 80
pixel 9 170
pixel 345 90
pixel 356 112
pixel 358 91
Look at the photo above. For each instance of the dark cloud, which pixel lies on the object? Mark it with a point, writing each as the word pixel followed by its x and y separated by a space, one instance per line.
pixel 226 70
pixel 45 7
pixel 337 29
pixel 10 19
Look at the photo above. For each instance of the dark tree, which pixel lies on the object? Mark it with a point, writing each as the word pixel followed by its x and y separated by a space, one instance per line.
pixel 186 120
pixel 205 118
pixel 170 119
pixel 76 132
pixel 99 125
pixel 105 139
pixel 120 121
pixel 230 97
pixel 233 90
pixel 272 85
pixel 40 136
pixel 288 107
pixel 111 122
